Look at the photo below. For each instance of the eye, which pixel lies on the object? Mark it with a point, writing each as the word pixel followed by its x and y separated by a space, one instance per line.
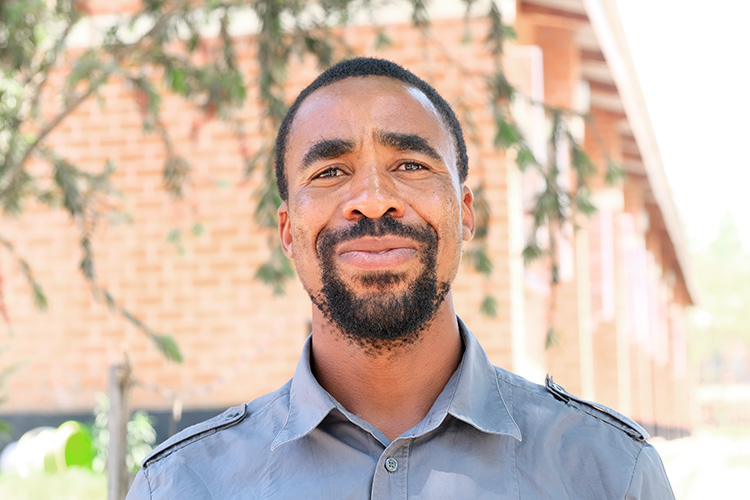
pixel 329 173
pixel 411 166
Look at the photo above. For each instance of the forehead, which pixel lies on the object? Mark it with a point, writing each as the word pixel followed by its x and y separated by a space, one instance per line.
pixel 353 105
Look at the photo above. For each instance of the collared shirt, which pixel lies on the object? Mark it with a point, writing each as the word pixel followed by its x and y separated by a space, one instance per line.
pixel 489 435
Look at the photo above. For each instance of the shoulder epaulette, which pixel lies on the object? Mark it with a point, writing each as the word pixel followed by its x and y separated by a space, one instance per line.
pixel 598 411
pixel 230 417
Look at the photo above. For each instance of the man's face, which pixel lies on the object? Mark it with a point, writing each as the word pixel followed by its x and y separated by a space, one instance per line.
pixel 376 214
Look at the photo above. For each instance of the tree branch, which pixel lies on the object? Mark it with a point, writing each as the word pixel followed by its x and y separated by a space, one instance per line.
pixel 16 169
pixel 45 67
pixel 118 55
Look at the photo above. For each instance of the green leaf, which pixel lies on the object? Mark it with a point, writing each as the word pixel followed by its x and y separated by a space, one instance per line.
pixel 496 34
pixel 222 184
pixel 37 292
pixel 555 273
pixel 531 252
pixel 319 47
pixel 87 261
pixel 147 96
pixel 500 87
pixel 109 300
pixel 509 32
pixel 193 41
pixel 174 236
pixel 548 205
pixel 489 306
pixel 66 178
pixel 419 16
pixel 40 299
pixel 176 79
pixel 84 69
pixel 5 429
pixel 614 174
pixel 584 204
pixel 582 163
pixel 16 192
pixel 198 230
pixel 174 175
pixel 268 202
pixel 477 258
pixel 506 133
pixel 551 338
pixel 275 272
pixel 382 41
pixel 168 347
pixel 261 156
pixel 525 158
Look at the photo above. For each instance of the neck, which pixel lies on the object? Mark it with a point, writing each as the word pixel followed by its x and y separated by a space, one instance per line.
pixel 391 389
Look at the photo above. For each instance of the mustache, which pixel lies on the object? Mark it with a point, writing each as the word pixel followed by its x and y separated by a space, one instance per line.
pixel 383 226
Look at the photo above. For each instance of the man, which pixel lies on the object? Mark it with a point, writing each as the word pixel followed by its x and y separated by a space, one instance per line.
pixel 393 396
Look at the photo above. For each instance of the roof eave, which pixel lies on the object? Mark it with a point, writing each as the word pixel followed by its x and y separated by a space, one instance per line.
pixel 604 18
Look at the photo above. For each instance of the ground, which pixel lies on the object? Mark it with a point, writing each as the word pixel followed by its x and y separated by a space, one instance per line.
pixel 708 464
pixel 73 484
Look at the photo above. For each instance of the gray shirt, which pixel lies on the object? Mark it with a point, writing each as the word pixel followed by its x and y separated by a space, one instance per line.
pixel 490 435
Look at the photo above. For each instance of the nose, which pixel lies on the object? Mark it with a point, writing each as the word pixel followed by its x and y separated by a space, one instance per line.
pixel 373 195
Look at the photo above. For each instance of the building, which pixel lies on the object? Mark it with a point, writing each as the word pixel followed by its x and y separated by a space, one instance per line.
pixel 618 310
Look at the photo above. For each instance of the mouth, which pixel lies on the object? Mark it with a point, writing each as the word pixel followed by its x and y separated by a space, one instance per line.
pixel 374 254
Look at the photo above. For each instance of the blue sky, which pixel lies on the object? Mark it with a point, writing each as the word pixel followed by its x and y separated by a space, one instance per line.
pixel 693 62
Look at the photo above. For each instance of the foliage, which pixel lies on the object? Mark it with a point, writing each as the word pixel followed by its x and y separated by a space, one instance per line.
pixel 33 39
pixel 5 428
pixel 719 337
pixel 141 436
pixel 565 175
pixel 168 48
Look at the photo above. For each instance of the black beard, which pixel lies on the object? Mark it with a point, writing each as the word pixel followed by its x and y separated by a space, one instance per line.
pixel 380 322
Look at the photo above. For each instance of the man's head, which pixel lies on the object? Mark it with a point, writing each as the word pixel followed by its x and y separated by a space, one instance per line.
pixel 363 67
pixel 375 210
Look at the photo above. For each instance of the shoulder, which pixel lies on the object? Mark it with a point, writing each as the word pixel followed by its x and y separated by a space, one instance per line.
pixel 228 418
pixel 254 414
pixel 582 448
pixel 552 402
pixel 595 410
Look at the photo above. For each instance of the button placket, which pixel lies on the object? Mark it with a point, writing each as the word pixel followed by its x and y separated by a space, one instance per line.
pixel 389 480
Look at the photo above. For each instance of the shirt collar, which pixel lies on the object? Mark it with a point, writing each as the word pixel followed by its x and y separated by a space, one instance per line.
pixel 478 398
pixel 473 395
pixel 309 403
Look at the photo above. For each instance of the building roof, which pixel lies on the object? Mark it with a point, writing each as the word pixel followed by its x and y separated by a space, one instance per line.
pixel 608 67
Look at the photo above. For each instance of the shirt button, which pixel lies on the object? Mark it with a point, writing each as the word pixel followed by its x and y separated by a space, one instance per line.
pixel 391 464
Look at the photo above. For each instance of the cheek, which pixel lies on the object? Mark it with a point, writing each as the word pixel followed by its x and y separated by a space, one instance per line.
pixel 306 216
pixel 304 237
pixel 445 216
pixel 305 258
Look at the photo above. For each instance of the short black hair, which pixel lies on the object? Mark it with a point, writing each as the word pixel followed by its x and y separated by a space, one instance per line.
pixel 362 67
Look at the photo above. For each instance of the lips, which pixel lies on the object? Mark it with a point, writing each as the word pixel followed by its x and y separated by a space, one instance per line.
pixel 370 253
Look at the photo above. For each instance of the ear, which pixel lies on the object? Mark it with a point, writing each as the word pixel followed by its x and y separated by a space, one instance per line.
pixel 285 230
pixel 467 209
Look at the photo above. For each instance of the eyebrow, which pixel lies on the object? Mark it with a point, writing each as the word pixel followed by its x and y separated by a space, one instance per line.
pixel 408 142
pixel 327 149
